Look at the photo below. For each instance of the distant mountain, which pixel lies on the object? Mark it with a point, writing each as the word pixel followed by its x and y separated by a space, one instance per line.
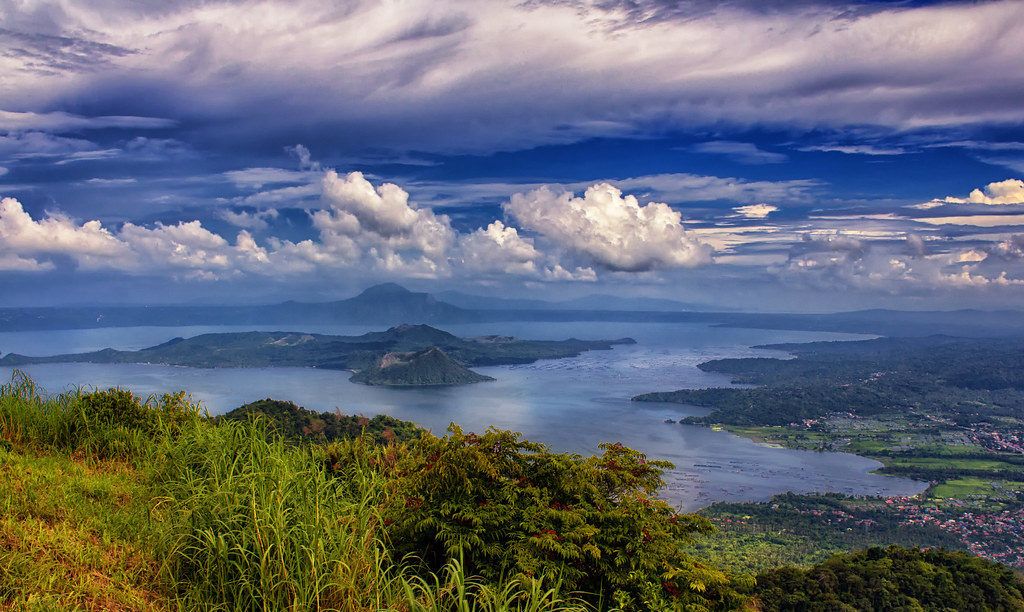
pixel 390 304
pixel 429 367
pixel 387 303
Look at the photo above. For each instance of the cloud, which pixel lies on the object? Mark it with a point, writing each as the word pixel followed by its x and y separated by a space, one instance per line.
pixel 1012 247
pixel 257 178
pixel 45 54
pixel 55 234
pixel 669 187
pixel 500 249
pixel 306 161
pixel 93 155
pixel 60 122
pixel 863 149
pixel 974 220
pixel 370 228
pixel 3 171
pixel 248 220
pixel 436 76
pixel 30 145
pixel 186 248
pixel 1010 191
pixel 742 152
pixel 110 182
pixel 613 231
pixel 756 211
pixel 1013 163
pixel 397 236
pixel 979 145
pixel 841 262
pixel 9 262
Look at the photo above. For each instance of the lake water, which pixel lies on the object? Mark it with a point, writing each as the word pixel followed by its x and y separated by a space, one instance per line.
pixel 569 404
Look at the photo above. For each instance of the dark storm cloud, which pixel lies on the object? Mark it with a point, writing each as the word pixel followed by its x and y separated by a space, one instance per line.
pixel 764 124
pixel 45 54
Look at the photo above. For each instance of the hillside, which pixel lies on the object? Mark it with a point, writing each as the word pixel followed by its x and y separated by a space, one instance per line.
pixel 429 367
pixel 112 503
pixel 297 349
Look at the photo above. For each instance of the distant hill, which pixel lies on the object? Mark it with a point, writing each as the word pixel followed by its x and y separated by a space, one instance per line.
pixel 429 367
pixel 297 423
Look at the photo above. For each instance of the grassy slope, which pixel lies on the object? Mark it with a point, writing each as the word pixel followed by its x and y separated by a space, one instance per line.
pixel 69 535
pixel 199 516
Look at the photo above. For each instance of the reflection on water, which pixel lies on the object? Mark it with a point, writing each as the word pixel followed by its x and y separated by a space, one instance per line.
pixel 570 404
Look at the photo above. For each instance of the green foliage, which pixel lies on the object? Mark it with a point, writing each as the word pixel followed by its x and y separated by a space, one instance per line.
pixel 109 423
pixel 296 423
pixel 256 523
pixel 893 579
pixel 509 507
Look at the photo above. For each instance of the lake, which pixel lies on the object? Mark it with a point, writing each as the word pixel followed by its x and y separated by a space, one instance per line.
pixel 570 404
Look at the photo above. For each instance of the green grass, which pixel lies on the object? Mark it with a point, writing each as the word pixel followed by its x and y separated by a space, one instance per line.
pixel 962 488
pixel 68 536
pixel 951 463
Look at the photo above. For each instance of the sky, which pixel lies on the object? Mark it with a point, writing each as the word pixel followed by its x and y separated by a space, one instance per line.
pixel 804 155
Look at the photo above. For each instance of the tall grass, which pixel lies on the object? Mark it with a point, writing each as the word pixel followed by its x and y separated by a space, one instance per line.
pixel 96 425
pixel 241 520
pixel 256 523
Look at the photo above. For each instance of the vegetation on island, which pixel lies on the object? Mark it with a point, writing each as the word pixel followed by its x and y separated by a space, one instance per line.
pixel 434 356
pixel 947 411
pixel 114 502
pixel 293 422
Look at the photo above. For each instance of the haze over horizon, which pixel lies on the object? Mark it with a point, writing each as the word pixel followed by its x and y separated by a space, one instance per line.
pixel 750 155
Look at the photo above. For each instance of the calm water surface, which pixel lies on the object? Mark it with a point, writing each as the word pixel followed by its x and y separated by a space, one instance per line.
pixel 569 404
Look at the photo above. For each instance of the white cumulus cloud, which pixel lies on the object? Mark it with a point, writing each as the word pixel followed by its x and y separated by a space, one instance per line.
pixel 500 248
pixel 612 230
pixel 397 236
pixel 756 211
pixel 1010 191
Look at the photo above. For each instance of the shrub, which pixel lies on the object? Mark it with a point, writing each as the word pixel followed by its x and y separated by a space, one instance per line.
pixel 509 508
pixel 117 408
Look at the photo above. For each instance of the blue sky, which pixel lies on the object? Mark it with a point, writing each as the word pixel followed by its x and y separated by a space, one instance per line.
pixel 757 155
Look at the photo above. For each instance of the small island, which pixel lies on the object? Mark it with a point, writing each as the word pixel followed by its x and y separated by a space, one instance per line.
pixel 429 367
pixel 402 356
